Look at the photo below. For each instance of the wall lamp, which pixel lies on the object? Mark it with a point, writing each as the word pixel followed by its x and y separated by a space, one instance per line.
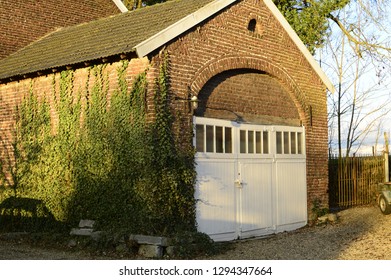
pixel 192 100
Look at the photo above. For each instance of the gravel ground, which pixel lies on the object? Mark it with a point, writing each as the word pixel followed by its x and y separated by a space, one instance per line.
pixel 16 248
pixel 361 233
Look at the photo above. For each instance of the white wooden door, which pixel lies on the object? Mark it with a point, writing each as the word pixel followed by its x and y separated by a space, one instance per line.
pixel 250 178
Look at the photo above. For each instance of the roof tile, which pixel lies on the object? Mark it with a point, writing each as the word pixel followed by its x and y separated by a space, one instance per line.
pixel 100 38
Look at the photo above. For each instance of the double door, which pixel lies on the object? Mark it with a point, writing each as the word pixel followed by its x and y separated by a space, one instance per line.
pixel 251 179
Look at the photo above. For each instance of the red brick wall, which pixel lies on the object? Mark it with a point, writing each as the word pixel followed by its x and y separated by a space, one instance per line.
pixel 286 85
pixel 12 93
pixel 252 96
pixel 262 76
pixel 22 22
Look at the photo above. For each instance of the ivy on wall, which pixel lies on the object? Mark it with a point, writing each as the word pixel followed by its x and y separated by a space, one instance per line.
pixel 167 184
pixel 102 159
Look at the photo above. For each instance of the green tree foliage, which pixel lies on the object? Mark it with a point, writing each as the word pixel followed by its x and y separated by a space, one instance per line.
pixel 309 18
pixel 136 4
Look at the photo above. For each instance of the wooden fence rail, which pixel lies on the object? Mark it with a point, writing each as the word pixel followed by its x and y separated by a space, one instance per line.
pixel 353 181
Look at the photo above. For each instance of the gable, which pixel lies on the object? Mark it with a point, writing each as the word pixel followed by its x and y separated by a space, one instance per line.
pixel 207 11
pixel 220 48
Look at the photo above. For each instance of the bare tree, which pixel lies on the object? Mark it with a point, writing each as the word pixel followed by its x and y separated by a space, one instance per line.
pixel 358 60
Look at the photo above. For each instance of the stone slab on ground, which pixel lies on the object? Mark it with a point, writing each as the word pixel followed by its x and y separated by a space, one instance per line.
pixel 171 251
pixel 150 240
pixel 150 251
pixel 82 231
pixel 97 235
pixel 86 224
pixel 332 217
pixel 328 218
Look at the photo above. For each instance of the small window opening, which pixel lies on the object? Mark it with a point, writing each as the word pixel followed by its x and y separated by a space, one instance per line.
pixel 252 25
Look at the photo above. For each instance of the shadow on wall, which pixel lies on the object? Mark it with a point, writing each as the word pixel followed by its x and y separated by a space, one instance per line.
pixel 26 214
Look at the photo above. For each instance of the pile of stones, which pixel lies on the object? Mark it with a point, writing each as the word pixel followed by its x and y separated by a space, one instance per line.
pixel 148 246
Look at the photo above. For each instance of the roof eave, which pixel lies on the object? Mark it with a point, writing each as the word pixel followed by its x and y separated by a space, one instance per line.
pixel 173 31
pixel 74 65
pixel 120 6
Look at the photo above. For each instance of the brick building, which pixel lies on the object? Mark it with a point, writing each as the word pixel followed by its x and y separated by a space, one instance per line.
pixel 23 22
pixel 261 122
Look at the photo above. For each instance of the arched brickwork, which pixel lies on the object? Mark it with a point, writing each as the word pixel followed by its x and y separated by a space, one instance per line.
pixel 249 96
pixel 226 63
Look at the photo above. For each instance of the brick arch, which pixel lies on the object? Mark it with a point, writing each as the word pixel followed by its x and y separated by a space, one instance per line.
pixel 230 62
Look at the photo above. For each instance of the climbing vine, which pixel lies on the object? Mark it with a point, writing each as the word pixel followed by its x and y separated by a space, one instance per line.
pixel 167 186
pixel 88 155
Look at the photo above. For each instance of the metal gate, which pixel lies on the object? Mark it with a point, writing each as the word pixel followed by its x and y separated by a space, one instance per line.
pixel 251 179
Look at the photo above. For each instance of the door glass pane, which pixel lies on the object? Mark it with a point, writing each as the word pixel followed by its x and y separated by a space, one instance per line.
pixel 258 142
pixel 243 142
pixel 250 142
pixel 279 142
pixel 209 139
pixel 299 143
pixel 200 145
pixel 286 142
pixel 293 142
pixel 219 139
pixel 265 142
pixel 228 140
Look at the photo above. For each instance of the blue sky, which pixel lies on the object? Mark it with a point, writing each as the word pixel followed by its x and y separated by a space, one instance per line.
pixel 373 86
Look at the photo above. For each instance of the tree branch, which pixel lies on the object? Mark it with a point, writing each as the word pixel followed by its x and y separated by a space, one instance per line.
pixel 356 41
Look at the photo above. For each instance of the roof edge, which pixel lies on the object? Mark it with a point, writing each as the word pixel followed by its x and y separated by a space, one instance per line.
pixel 121 6
pixel 315 65
pixel 164 36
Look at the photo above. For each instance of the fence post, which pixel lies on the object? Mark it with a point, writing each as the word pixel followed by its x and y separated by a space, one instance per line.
pixel 386 158
pixel 386 168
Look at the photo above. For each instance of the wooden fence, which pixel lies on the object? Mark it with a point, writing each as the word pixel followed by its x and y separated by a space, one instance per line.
pixel 353 181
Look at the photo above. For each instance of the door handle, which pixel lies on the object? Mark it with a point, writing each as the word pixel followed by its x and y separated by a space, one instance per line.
pixel 239 183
